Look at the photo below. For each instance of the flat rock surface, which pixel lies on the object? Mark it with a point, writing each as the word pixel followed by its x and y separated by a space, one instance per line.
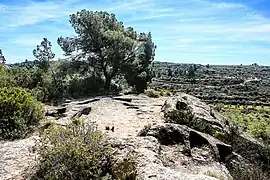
pixel 127 120
pixel 15 157
pixel 121 119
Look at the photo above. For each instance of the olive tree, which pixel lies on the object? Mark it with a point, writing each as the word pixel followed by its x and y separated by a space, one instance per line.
pixel 104 43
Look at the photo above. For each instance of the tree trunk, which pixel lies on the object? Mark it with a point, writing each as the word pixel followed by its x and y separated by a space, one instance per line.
pixel 107 83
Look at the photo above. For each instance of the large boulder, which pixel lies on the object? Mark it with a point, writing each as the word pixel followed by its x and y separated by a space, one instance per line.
pixel 170 134
pixel 206 123
pixel 204 118
pixel 161 162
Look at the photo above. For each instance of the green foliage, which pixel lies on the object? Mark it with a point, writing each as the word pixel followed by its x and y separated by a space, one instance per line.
pixel 183 116
pixel 73 152
pixel 126 169
pixel 137 71
pixel 186 117
pixel 165 92
pixel 157 93
pixel 252 119
pixel 83 86
pixel 218 135
pixel 152 93
pixel 19 113
pixel 114 51
pixel 5 77
pixel 43 54
pixel 112 48
pixel 191 74
pixel 219 107
pixel 170 73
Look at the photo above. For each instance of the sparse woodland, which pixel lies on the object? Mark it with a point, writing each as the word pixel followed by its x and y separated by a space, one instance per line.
pixel 106 58
pixel 102 51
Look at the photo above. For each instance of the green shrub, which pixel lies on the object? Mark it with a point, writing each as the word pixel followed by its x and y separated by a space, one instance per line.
pixel 157 93
pixel 38 93
pixel 152 93
pixel 165 92
pixel 126 169
pixel 186 117
pixel 183 117
pixel 83 86
pixel 6 78
pixel 19 113
pixel 219 107
pixel 73 152
pixel 250 119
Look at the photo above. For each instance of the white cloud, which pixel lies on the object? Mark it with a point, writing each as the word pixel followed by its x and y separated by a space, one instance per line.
pixel 224 5
pixel 193 26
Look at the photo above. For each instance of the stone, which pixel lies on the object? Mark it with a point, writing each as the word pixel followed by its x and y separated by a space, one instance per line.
pixel 170 134
pixel 82 111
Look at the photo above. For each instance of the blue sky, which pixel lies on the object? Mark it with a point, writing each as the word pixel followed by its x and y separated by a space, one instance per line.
pixel 185 31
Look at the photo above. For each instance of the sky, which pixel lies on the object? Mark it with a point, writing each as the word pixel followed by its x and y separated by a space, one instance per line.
pixel 185 31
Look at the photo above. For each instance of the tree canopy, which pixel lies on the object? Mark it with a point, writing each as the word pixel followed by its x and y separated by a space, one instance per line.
pixel 43 53
pixel 108 47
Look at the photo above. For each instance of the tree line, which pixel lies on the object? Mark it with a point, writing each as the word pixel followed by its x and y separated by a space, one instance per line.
pixel 102 50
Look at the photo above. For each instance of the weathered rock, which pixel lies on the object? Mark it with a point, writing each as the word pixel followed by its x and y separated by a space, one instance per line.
pixel 61 110
pixel 169 134
pixel 163 150
pixel 15 157
pixel 88 101
pixel 126 99
pixel 156 161
pixel 82 111
pixel 220 149
pixel 208 120
pixel 55 112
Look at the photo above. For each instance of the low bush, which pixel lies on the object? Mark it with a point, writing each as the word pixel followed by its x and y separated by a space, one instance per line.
pixel 152 93
pixel 157 93
pixel 252 120
pixel 19 113
pixel 126 169
pixel 219 107
pixel 183 116
pixel 73 152
pixel 186 117
pixel 165 92
pixel 78 151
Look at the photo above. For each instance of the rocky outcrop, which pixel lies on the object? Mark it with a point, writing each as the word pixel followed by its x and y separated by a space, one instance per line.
pixel 135 125
pixel 202 113
pixel 171 134
pixel 82 111
pixel 250 150
pixel 156 161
